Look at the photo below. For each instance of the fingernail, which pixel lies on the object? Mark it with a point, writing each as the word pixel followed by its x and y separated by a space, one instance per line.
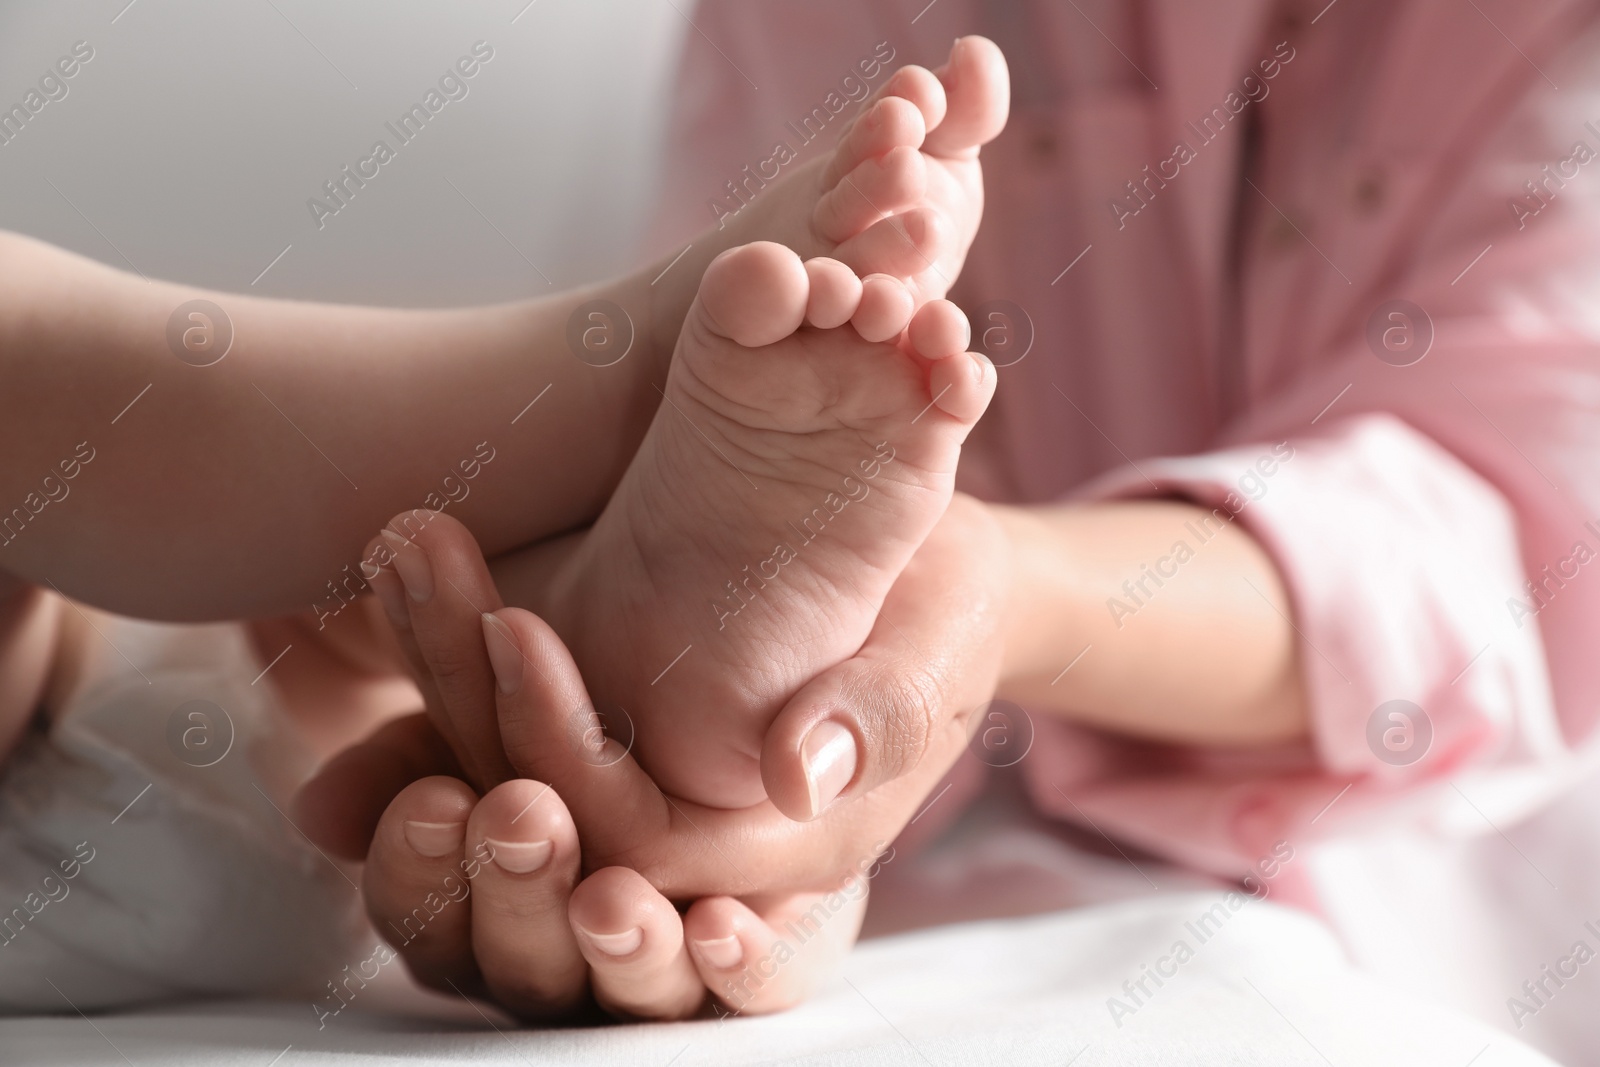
pixel 411 563
pixel 722 953
pixel 519 857
pixel 504 655
pixel 386 587
pixel 622 944
pixel 829 757
pixel 435 839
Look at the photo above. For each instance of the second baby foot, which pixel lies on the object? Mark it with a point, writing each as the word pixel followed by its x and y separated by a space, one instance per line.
pixel 900 194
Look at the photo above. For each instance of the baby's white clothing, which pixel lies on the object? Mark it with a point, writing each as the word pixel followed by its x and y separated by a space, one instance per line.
pixel 144 854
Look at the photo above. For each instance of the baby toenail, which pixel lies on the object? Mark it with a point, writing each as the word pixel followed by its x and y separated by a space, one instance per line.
pixel 721 952
pixel 519 857
pixel 435 839
pixel 622 944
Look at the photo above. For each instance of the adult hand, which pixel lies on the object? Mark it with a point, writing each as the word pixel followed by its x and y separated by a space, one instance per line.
pixel 908 697
pixel 484 897
pixel 904 699
pixel 903 702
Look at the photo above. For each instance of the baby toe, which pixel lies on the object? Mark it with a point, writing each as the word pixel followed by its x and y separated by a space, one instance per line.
pixel 921 88
pixel 885 308
pixel 978 86
pixel 885 124
pixel 835 293
pixel 755 294
pixel 939 330
pixel 904 245
pixel 962 386
pixel 876 189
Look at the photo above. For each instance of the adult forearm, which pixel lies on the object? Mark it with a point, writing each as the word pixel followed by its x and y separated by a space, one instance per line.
pixel 1174 621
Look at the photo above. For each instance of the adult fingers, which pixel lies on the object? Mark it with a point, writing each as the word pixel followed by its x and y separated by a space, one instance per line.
pixel 417 883
pixel 551 730
pixel 340 807
pixel 377 567
pixel 547 726
pixel 774 955
pixel 932 659
pixel 521 939
pixel 632 937
pixel 447 588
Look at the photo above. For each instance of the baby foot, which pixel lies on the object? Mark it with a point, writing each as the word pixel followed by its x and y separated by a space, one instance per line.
pixel 964 105
pixel 901 194
pixel 806 446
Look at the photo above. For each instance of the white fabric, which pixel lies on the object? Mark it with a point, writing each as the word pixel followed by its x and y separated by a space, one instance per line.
pixel 209 894
pixel 1467 922
pixel 129 873
pixel 1269 988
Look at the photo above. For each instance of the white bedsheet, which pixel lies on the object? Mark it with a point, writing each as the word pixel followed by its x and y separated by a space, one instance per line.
pixel 1269 987
pixel 1265 985
pixel 1042 926
pixel 1468 922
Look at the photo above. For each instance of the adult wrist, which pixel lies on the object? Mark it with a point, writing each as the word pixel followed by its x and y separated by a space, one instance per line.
pixel 1043 634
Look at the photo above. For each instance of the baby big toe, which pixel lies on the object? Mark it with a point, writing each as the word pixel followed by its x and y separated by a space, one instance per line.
pixel 979 89
pixel 755 294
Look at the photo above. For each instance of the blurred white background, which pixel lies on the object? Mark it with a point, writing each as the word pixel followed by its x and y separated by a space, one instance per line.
pixel 188 146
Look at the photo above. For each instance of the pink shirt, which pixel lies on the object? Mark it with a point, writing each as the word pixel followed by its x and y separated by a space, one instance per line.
pixel 1208 320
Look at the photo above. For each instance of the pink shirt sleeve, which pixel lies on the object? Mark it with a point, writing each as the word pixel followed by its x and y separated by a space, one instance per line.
pixel 1436 527
pixel 1399 560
